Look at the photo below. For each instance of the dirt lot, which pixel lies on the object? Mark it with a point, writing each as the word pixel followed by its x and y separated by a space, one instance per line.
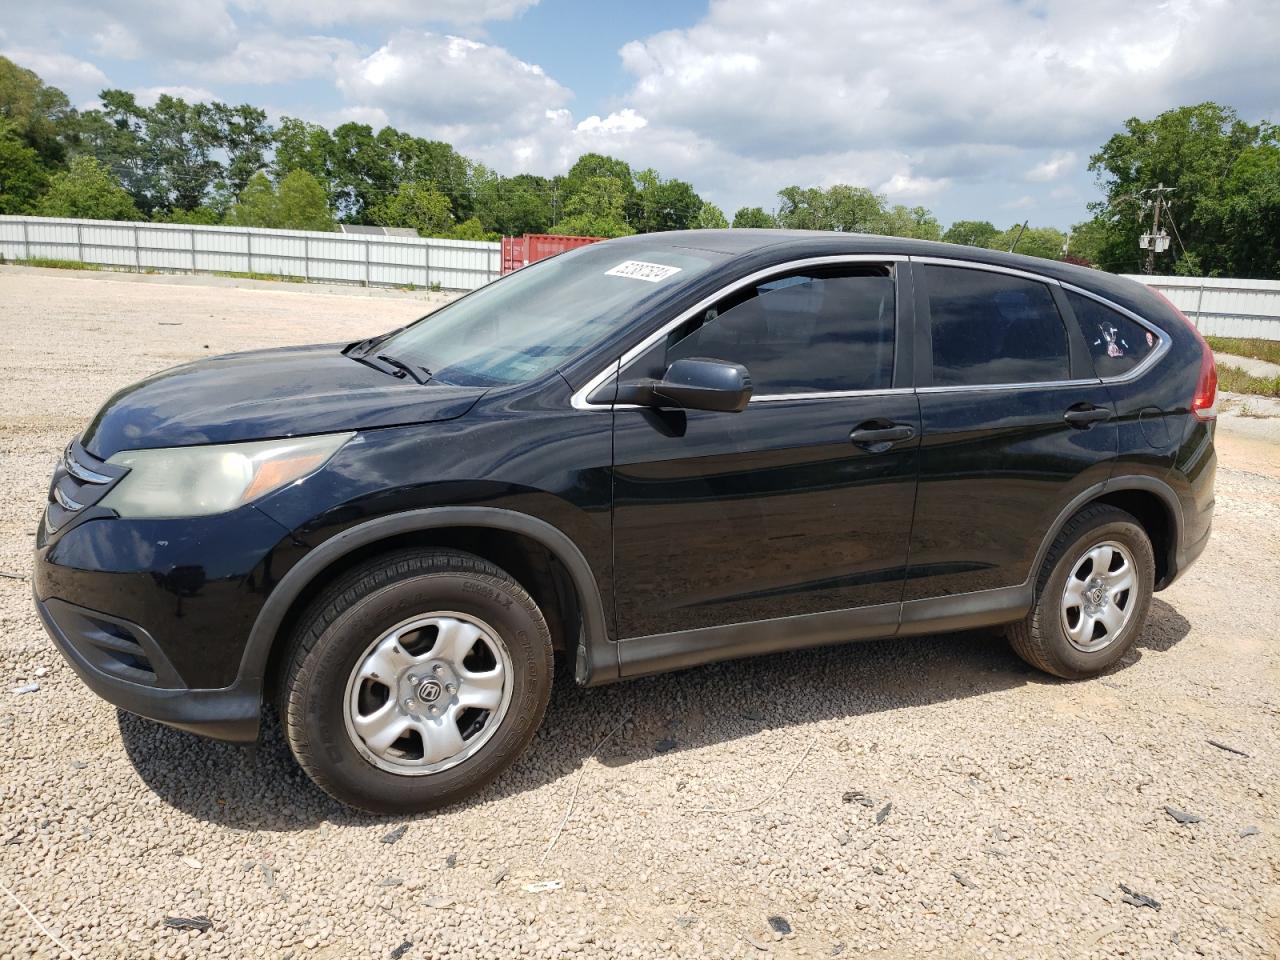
pixel 1002 811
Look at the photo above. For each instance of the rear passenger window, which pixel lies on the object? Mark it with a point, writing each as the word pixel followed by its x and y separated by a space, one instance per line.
pixel 811 332
pixel 991 328
pixel 1116 343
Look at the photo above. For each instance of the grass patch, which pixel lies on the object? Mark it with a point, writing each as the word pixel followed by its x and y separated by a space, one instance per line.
pixel 1235 380
pixel 279 277
pixel 1247 347
pixel 57 264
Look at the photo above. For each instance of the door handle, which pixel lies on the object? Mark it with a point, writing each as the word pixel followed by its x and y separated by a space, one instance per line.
pixel 1085 415
pixel 880 439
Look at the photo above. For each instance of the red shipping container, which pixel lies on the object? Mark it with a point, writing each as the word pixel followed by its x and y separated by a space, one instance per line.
pixel 519 252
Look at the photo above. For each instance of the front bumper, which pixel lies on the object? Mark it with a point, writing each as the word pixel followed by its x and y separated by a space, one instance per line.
pixel 154 615
pixel 120 662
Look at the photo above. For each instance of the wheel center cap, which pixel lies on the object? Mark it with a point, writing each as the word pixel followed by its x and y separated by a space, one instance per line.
pixel 429 691
pixel 1098 595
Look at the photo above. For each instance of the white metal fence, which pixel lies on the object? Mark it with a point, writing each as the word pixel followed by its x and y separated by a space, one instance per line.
pixel 328 257
pixel 1224 308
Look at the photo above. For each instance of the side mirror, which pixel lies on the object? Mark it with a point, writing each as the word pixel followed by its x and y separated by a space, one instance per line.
pixel 693 383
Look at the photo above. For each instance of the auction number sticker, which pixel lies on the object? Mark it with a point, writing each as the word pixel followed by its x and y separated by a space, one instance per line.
pixel 642 270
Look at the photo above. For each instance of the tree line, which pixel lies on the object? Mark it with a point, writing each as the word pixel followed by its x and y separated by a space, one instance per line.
pixel 214 163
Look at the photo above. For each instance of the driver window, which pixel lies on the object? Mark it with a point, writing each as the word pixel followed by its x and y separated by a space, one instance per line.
pixel 827 330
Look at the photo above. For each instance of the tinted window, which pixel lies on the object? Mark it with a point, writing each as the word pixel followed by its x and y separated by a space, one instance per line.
pixel 803 333
pixel 1116 343
pixel 994 328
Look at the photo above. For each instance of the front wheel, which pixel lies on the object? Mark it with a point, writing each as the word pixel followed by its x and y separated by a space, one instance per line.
pixel 415 680
pixel 1092 595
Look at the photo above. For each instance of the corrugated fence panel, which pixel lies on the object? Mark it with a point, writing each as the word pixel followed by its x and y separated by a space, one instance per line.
pixel 332 257
pixel 1224 307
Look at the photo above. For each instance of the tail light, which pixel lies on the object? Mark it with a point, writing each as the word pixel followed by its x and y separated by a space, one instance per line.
pixel 1206 395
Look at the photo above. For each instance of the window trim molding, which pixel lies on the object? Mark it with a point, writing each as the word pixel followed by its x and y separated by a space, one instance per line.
pixel 614 368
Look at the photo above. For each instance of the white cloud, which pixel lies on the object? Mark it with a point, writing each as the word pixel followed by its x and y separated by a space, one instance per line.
pixel 147 96
pixel 1061 163
pixel 905 186
pixel 58 69
pixel 974 92
pixel 325 12
pixel 269 58
pixel 477 96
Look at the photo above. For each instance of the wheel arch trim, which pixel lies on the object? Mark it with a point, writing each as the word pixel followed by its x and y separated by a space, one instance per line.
pixel 1120 484
pixel 596 653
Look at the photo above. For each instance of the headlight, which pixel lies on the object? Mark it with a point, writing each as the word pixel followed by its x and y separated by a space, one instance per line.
pixel 198 481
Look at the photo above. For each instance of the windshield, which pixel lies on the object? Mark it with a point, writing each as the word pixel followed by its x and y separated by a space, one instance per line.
pixel 523 325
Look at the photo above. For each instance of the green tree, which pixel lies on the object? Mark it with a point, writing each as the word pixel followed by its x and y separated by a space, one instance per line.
pixel 915 222
pixel 710 217
pixel 512 206
pixel 1195 150
pixel 973 233
pixel 87 191
pixel 364 172
pixel 841 207
pixel 1085 242
pixel 664 204
pixel 39 114
pixel 1046 242
pixel 596 209
pixel 417 205
pixel 163 154
pixel 587 176
pixel 472 229
pixel 300 145
pixel 243 134
pixel 298 203
pixel 22 175
pixel 753 218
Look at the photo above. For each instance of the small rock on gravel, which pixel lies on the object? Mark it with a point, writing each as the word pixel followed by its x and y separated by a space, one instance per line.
pixel 395 834
pixel 1182 816
pixel 1134 898
pixel 883 813
pixel 199 922
pixel 779 924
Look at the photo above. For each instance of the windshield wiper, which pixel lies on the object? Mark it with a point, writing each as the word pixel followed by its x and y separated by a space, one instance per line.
pixel 362 347
pixel 420 374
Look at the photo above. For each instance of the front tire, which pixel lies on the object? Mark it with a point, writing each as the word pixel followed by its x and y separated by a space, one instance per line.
pixel 415 680
pixel 1092 595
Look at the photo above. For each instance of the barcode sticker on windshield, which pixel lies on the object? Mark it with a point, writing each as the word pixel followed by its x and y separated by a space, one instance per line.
pixel 642 270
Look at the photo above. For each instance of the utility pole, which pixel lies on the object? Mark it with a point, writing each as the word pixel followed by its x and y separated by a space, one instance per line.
pixel 1157 241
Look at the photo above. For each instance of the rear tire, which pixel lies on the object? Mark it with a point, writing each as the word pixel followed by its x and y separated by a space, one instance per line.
pixel 1092 595
pixel 415 680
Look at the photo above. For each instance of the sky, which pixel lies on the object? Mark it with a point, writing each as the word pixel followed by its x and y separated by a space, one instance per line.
pixel 977 109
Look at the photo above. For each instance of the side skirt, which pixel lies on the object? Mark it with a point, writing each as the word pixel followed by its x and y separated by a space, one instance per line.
pixel 664 652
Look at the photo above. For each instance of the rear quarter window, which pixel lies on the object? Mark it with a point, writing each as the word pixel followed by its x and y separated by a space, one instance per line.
pixel 1116 343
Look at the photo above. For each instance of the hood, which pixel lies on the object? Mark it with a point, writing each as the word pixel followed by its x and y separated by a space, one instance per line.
pixel 266 394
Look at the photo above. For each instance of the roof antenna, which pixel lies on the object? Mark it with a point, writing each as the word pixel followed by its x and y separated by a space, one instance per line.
pixel 1019 236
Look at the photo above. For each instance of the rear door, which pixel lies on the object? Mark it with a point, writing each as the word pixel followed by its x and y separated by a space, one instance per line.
pixel 800 504
pixel 1015 423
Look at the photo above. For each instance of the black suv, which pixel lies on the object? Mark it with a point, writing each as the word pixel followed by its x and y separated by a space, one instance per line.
pixel 642 455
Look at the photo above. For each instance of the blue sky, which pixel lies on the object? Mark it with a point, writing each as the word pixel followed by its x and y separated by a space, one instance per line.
pixel 984 109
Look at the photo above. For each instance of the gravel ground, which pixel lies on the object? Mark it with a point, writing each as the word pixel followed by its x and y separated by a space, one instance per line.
pixel 894 799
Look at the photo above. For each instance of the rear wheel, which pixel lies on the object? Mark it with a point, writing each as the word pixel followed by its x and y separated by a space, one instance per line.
pixel 415 680
pixel 1092 595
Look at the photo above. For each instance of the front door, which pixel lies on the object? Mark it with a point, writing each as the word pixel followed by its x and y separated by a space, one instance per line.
pixel 800 505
